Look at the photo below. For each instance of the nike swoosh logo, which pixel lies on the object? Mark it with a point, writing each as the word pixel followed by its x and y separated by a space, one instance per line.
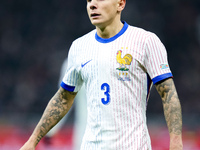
pixel 82 65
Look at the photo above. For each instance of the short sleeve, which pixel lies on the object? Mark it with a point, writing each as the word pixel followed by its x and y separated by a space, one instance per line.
pixel 155 61
pixel 72 80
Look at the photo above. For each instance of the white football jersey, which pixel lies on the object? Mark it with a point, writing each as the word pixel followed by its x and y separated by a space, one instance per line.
pixel 118 74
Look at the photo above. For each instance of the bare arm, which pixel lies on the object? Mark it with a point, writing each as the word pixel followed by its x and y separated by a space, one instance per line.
pixel 57 107
pixel 172 112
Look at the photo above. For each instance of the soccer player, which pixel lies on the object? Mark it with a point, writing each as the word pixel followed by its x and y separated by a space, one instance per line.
pixel 117 63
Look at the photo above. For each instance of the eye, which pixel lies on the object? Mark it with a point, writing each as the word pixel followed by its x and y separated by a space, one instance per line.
pixel 89 0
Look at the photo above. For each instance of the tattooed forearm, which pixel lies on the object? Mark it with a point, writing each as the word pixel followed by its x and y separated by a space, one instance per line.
pixel 171 106
pixel 58 106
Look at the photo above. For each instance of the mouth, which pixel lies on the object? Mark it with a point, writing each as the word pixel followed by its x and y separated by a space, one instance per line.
pixel 93 15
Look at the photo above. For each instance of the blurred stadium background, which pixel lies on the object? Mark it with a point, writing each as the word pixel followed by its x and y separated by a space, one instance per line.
pixel 34 40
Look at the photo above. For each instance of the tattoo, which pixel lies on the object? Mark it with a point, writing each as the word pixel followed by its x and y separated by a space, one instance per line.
pixel 171 105
pixel 58 106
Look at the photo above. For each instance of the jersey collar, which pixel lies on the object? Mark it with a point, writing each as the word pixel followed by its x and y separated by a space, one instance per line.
pixel 102 40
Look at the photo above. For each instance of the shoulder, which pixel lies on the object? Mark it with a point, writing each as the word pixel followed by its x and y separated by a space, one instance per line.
pixel 85 37
pixel 140 32
pixel 78 45
pixel 140 36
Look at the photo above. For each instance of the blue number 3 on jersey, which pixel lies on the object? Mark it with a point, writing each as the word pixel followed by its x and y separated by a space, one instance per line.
pixel 105 87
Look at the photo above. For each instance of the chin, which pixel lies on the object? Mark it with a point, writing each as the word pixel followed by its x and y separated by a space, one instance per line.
pixel 97 23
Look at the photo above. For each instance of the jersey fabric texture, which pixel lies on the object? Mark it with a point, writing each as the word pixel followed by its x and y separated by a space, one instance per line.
pixel 118 73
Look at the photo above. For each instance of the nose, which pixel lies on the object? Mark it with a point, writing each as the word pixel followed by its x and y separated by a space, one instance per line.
pixel 93 4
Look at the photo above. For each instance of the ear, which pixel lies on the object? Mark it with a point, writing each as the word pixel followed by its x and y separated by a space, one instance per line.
pixel 121 5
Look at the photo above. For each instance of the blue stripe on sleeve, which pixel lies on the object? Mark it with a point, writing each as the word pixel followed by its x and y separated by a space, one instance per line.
pixel 161 77
pixel 67 87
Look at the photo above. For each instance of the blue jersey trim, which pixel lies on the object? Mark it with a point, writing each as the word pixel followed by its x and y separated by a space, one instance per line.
pixel 67 87
pixel 161 77
pixel 102 40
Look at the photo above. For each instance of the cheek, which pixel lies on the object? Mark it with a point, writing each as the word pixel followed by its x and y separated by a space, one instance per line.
pixel 111 9
pixel 111 12
pixel 87 8
pixel 88 12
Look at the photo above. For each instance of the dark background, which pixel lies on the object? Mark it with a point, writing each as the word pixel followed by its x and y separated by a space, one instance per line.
pixel 35 37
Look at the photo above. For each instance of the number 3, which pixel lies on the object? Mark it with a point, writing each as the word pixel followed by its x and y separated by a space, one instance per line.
pixel 106 87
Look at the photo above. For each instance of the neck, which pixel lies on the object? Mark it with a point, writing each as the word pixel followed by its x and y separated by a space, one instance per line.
pixel 109 30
